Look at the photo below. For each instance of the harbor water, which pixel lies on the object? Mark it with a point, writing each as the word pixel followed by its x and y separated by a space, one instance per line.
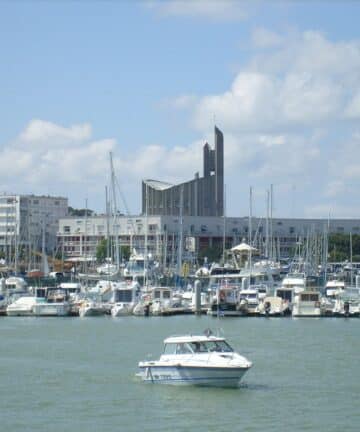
pixel 71 374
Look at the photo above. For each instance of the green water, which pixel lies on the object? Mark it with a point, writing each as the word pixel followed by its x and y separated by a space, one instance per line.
pixel 77 374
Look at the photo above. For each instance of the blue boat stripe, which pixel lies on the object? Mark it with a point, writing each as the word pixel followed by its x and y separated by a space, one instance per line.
pixel 192 379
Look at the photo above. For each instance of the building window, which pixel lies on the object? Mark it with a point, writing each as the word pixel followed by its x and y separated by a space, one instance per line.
pixel 35 201
pixel 66 229
pixel 291 230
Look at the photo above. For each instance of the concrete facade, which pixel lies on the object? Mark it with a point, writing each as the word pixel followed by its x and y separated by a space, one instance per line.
pixel 80 236
pixel 202 196
pixel 23 219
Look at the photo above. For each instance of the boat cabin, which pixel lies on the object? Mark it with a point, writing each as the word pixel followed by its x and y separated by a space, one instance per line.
pixel 125 295
pixel 161 293
pixel 334 288
pixel 15 284
pixel 250 295
pixel 309 296
pixel 195 345
pixel 285 293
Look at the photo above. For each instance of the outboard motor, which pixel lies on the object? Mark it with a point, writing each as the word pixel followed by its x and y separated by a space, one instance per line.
pixel 346 308
pixel 147 310
pixel 267 308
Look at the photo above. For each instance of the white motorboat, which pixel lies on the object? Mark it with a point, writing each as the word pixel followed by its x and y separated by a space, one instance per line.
pixel 295 282
pixel 250 297
pixel 15 284
pixel 226 302
pixel 287 295
pixel 156 301
pixel 274 306
pixel 307 304
pixel 124 299
pixel 203 360
pixel 346 306
pixel 23 306
pixel 333 288
pixel 91 308
pixel 48 309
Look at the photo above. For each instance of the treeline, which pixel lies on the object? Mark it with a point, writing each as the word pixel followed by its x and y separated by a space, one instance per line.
pixel 340 247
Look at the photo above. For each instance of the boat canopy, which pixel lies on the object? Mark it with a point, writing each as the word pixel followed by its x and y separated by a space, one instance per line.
pixel 191 338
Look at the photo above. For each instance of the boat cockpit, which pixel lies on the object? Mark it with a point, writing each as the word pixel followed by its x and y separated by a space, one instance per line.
pixel 197 347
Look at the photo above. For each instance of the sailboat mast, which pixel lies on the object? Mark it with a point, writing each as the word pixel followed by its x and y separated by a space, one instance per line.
pixel 267 225
pixel 146 234
pixel 115 224
pixel 180 250
pixel 85 245
pixel 351 260
pixel 250 228
pixel 224 226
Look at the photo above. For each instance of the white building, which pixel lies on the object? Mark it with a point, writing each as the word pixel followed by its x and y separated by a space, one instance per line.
pixel 24 219
pixel 78 237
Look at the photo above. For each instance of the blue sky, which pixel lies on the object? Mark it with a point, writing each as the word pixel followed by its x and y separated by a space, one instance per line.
pixel 146 80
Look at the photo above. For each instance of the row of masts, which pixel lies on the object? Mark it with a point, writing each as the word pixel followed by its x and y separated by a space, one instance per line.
pixel 314 246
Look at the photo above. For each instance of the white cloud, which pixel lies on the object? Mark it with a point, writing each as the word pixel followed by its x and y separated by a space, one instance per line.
pixel 335 188
pixel 272 140
pixel 289 118
pixel 353 108
pixel 40 130
pixel 48 158
pixel 306 81
pixel 184 102
pixel 264 38
pixel 224 10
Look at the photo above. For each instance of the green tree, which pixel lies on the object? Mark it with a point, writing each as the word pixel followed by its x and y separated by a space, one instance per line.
pixel 339 247
pixel 212 253
pixel 102 251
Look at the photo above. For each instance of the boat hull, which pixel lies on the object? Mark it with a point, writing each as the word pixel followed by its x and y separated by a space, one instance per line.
pixel 227 309
pixel 19 312
pixel 91 312
pixel 199 376
pixel 51 309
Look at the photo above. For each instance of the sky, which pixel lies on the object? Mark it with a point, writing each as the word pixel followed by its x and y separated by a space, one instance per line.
pixel 148 80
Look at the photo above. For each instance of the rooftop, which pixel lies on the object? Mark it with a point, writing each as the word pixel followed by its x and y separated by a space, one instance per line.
pixel 158 185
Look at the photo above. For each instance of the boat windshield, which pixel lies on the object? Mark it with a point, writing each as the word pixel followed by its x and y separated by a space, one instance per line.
pixel 197 347
pixel 210 346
